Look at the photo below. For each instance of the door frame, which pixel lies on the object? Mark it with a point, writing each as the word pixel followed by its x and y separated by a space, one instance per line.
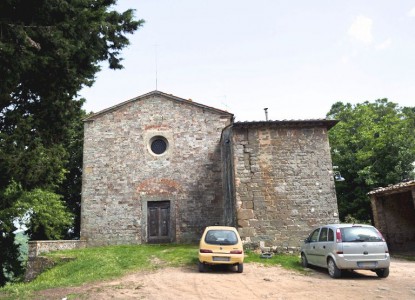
pixel 144 227
pixel 158 213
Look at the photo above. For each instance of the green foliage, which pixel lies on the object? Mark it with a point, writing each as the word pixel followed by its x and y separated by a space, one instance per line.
pixel 14 268
pixel 42 212
pixel 48 44
pixel 49 50
pixel 102 263
pixel 352 220
pixel 373 145
pixel 8 210
pixel 10 264
pixel 47 214
pixel 71 186
pixel 21 240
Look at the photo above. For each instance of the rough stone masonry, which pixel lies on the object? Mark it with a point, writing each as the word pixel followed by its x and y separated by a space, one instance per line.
pixel 283 180
pixel 159 168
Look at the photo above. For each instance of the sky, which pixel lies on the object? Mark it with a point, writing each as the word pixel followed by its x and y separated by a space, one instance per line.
pixel 296 58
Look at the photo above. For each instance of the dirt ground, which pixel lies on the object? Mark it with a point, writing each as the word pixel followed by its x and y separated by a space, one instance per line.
pixel 256 282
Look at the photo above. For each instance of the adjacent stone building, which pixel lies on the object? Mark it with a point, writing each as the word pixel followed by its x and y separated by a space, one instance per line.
pixel 159 168
pixel 283 180
pixel 393 210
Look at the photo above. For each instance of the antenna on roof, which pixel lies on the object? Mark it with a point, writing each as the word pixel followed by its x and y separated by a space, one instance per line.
pixel 224 103
pixel 155 54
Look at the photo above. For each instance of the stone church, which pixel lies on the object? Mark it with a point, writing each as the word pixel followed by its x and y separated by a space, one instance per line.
pixel 159 168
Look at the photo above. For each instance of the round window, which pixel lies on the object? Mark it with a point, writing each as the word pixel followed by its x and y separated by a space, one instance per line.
pixel 158 145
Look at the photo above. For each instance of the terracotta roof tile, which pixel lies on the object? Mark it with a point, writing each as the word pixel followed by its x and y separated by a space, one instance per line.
pixel 402 186
pixel 287 123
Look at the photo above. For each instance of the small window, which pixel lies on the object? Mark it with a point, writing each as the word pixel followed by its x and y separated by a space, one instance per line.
pixel 323 235
pixel 314 235
pixel 360 234
pixel 221 237
pixel 158 145
pixel 331 235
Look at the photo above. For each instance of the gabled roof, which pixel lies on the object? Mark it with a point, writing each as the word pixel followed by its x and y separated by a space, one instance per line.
pixel 287 123
pixel 152 94
pixel 396 188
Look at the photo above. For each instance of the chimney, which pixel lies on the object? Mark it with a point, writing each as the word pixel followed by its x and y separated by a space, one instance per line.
pixel 266 114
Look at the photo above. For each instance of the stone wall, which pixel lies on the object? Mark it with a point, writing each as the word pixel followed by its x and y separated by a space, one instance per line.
pixel 394 216
pixel 122 176
pixel 37 263
pixel 283 180
pixel 37 248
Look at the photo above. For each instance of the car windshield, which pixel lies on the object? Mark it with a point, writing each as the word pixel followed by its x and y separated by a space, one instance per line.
pixel 360 234
pixel 221 237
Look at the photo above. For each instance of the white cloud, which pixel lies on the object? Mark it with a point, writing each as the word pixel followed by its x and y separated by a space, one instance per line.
pixel 361 30
pixel 411 13
pixel 385 44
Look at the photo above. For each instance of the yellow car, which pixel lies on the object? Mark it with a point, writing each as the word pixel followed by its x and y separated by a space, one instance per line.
pixel 221 245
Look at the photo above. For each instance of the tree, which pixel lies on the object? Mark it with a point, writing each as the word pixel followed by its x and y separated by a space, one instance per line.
pixel 71 187
pixel 49 50
pixel 37 209
pixel 373 145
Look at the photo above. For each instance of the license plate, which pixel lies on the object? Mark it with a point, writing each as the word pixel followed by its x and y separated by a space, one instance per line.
pixel 367 264
pixel 221 258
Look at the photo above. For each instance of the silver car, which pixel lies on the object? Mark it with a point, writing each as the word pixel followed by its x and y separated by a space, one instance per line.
pixel 346 246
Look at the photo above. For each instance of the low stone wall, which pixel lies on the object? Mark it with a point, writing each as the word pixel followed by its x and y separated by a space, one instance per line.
pixel 261 248
pixel 37 248
pixel 37 263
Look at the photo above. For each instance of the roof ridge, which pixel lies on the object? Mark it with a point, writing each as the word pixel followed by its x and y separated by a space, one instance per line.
pixel 329 123
pixel 152 93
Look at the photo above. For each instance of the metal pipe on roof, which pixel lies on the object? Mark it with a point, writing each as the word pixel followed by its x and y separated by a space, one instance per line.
pixel 266 114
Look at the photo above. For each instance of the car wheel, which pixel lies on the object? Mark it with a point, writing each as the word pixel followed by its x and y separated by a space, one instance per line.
pixel 334 271
pixel 382 273
pixel 304 261
pixel 201 267
pixel 240 268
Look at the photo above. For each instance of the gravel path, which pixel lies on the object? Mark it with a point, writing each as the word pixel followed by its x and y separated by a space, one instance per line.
pixel 256 282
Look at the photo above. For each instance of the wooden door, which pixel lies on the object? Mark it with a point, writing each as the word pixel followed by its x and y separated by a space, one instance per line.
pixel 158 222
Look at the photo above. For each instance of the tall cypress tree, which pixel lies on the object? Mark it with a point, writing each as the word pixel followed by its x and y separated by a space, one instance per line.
pixel 49 50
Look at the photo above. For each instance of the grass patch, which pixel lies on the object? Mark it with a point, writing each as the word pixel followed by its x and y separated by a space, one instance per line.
pixel 409 257
pixel 287 261
pixel 104 263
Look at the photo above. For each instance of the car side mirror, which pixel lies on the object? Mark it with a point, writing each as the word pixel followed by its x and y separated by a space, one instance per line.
pixel 306 241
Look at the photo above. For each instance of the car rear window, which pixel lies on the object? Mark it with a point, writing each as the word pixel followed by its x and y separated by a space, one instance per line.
pixel 360 234
pixel 221 237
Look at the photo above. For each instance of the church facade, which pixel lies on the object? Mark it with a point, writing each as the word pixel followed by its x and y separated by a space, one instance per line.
pixel 159 168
